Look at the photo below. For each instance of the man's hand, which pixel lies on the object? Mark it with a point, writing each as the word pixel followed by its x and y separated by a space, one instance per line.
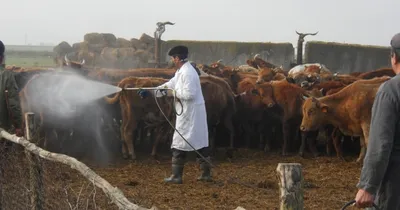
pixel 364 199
pixel 167 92
pixel 143 93
pixel 19 132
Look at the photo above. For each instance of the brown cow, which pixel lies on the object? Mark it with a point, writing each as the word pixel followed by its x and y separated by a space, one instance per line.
pixel 288 98
pixel 377 73
pixel 134 109
pixel 218 96
pixel 349 110
pixel 257 62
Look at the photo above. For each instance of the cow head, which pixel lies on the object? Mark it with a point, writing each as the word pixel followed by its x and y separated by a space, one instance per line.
pixel 266 93
pixel 210 70
pixel 217 64
pixel 304 80
pixel 265 75
pixel 314 114
pixel 73 64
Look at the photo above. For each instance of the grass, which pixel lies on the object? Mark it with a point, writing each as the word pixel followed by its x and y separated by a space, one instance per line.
pixel 31 61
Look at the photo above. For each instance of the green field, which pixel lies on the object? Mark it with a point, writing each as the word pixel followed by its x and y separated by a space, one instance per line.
pixel 32 61
pixel 35 48
pixel 29 56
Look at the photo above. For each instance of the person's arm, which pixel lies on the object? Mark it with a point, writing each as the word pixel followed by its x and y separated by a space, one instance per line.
pixel 189 87
pixel 14 101
pixel 170 84
pixel 384 118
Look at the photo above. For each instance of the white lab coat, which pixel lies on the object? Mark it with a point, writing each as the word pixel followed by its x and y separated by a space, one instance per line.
pixel 192 123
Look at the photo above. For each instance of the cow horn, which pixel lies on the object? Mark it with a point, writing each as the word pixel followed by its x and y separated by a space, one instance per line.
pixel 257 56
pixel 219 61
pixel 305 96
pixel 83 61
pixel 66 60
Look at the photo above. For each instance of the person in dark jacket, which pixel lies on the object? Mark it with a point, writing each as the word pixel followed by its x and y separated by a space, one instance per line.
pixel 380 174
pixel 10 107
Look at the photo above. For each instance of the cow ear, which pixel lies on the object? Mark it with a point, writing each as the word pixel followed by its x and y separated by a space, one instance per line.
pixel 324 108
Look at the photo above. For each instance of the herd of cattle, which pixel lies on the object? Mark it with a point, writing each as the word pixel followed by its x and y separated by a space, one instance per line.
pixel 258 99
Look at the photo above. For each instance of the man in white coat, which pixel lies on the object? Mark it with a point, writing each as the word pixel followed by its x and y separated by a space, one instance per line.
pixel 192 123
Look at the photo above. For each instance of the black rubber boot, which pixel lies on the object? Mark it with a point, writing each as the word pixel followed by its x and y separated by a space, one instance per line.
pixel 177 172
pixel 206 170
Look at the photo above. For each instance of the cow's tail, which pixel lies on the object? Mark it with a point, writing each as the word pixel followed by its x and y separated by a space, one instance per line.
pixel 114 99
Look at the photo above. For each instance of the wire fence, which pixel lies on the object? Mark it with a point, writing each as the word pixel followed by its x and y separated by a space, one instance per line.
pixel 33 178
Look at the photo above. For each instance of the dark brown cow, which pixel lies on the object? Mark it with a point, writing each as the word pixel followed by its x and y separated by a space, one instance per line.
pixel 57 120
pixel 349 110
pixel 250 113
pixel 220 105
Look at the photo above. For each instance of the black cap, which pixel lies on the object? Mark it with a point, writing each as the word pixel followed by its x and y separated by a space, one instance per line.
pixel 2 48
pixel 395 42
pixel 178 50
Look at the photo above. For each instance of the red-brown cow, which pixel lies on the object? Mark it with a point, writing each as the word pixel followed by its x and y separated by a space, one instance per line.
pixel 288 98
pixel 349 110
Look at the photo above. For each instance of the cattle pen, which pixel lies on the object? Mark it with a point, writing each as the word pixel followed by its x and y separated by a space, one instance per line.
pixel 39 179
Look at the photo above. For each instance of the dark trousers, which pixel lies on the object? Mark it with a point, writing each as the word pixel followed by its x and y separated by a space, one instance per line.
pixel 179 156
pixel 388 195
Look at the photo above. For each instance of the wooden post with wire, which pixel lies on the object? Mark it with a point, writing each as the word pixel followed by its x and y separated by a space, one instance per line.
pixel 35 170
pixel 291 186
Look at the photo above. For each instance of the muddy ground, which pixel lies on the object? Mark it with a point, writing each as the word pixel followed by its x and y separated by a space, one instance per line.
pixel 329 182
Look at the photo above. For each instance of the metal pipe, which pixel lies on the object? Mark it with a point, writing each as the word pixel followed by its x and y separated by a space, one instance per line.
pixel 153 88
pixel 147 88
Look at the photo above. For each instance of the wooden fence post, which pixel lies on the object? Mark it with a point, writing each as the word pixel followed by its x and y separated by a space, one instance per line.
pixel 35 170
pixel 291 186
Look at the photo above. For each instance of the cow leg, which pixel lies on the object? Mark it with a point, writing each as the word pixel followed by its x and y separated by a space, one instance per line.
pixel 128 137
pixel 363 143
pixel 155 145
pixel 124 145
pixel 311 140
pixel 212 132
pixel 123 131
pixel 303 143
pixel 228 124
pixel 329 142
pixel 337 136
pixel 286 134
pixel 363 150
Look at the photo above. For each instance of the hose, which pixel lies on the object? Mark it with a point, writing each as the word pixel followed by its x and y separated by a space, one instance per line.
pixel 353 201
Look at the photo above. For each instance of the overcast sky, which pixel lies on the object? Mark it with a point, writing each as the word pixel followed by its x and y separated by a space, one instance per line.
pixel 52 21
